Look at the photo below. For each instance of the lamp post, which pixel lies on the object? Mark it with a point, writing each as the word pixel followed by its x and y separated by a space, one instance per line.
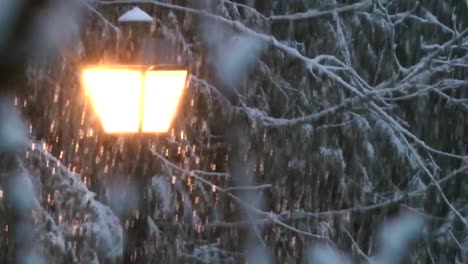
pixel 138 97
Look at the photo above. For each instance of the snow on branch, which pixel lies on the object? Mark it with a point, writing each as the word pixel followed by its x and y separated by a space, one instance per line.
pixel 270 216
pixel 79 216
pixel 283 122
pixel 314 13
pixel 23 196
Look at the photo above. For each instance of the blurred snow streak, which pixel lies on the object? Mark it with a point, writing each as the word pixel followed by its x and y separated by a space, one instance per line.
pixel 8 10
pixel 55 26
pixel 231 53
pixel 122 197
pixel 397 235
pixel 52 26
pixel 233 57
pixel 161 187
pixel 23 198
pixel 31 259
pixel 395 239
pixel 22 193
pixel 322 254
pixel 241 169
pixel 31 30
pixel 259 255
pixel 13 135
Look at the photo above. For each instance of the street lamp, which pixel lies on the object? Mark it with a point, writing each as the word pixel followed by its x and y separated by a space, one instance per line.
pixel 135 98
pixel 138 95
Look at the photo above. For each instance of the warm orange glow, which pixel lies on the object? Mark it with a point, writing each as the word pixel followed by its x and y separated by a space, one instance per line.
pixel 116 97
pixel 163 90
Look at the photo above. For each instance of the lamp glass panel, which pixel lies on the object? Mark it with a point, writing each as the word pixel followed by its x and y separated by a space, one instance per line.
pixel 163 90
pixel 115 96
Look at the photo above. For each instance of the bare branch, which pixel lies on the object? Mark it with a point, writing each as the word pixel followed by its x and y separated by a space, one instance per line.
pixel 313 13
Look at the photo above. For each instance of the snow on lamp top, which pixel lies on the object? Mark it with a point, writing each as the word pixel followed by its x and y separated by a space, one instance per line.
pixel 135 15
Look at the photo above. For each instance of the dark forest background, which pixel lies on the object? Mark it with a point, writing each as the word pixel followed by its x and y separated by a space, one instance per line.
pixel 311 132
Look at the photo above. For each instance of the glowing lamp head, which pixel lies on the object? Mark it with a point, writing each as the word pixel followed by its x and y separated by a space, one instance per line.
pixel 132 99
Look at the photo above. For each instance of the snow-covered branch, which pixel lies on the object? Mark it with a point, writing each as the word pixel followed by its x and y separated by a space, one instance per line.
pixel 78 215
